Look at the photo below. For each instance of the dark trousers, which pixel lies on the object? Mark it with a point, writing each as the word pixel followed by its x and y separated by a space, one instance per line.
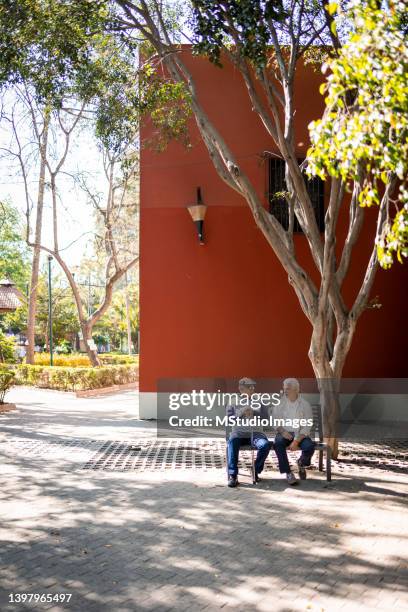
pixel 307 446
pixel 259 441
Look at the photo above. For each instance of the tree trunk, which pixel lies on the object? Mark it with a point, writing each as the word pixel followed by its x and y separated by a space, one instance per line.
pixel 328 384
pixel 86 327
pixel 330 403
pixel 32 299
pixel 129 328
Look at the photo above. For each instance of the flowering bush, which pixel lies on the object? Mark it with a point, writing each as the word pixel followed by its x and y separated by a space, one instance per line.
pixel 76 360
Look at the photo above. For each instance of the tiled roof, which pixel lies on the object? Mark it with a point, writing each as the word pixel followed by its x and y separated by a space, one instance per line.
pixel 10 296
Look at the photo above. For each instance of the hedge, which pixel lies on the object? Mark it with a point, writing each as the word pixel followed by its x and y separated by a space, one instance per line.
pixel 82 360
pixel 74 379
pixel 118 359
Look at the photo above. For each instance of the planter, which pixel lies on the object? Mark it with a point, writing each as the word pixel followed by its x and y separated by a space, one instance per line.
pixel 7 407
pixel 107 390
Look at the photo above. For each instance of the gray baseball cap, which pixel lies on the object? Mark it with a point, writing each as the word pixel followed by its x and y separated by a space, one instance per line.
pixel 246 382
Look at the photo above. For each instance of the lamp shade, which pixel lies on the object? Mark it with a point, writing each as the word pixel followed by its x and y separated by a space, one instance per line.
pixel 197 212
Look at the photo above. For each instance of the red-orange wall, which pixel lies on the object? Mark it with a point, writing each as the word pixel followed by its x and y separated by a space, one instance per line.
pixel 225 309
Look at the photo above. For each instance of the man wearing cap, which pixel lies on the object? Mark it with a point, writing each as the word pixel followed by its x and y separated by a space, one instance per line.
pixel 243 434
pixel 293 408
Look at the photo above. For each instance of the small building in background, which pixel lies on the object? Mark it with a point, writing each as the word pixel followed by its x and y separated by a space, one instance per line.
pixel 10 297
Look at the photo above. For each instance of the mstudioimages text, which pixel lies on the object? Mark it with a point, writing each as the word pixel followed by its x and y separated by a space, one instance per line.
pixel 230 421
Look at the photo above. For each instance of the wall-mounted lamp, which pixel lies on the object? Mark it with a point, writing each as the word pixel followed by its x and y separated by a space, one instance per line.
pixel 197 212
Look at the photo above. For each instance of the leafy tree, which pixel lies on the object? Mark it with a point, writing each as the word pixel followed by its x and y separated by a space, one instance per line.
pixel 265 41
pixel 65 324
pixel 71 57
pixel 363 135
pixel 64 314
pixel 14 256
pixel 113 323
pixel 46 44
pixel 7 349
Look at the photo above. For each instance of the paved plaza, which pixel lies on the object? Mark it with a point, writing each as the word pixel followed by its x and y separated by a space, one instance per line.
pixel 121 537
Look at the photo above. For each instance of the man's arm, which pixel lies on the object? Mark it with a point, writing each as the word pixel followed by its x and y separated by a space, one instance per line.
pixel 279 412
pixel 304 430
pixel 307 414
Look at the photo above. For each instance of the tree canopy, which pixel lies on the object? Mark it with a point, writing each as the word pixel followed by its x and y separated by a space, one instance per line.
pixel 363 134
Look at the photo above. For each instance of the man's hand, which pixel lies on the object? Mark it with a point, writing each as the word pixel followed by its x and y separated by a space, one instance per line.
pixel 293 446
pixel 286 435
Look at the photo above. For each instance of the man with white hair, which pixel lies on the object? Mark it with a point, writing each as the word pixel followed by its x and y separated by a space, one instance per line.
pixel 294 435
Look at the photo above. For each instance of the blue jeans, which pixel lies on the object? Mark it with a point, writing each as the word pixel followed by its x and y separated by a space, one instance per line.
pixel 307 447
pixel 259 441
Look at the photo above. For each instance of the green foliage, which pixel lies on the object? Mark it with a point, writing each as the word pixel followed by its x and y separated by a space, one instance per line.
pixel 65 322
pixel 14 257
pixel 63 348
pixel 65 318
pixel 74 48
pixel 113 323
pixel 7 379
pixel 363 135
pixel 395 239
pixel 73 379
pixel 45 43
pixel 7 349
pixel 109 359
pixel 211 26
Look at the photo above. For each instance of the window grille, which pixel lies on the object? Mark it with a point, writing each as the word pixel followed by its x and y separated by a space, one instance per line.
pixel 277 203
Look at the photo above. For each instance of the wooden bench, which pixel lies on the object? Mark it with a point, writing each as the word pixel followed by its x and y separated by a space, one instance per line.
pixel 317 435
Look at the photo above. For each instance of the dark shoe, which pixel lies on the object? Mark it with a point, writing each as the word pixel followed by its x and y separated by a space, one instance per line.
pixel 302 471
pixel 232 481
pixel 291 478
pixel 257 479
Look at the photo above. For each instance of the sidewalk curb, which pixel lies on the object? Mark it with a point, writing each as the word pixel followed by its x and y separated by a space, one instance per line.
pixel 107 390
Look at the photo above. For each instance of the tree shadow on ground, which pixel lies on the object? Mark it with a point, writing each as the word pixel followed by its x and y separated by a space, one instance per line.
pixel 120 543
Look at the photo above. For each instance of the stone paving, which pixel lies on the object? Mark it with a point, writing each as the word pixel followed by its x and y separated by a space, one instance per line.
pixel 181 540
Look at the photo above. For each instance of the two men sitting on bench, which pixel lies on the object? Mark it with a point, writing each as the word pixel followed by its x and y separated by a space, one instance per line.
pixel 292 408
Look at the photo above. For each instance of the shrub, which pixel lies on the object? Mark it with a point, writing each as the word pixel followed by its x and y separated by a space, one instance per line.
pixel 74 379
pixel 64 348
pixel 7 378
pixel 107 358
pixel 73 360
pixel 7 349
pixel 76 360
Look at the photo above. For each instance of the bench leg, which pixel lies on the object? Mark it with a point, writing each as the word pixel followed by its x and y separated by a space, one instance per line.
pixel 328 464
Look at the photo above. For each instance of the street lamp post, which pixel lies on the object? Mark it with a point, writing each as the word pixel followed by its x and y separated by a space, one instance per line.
pixel 50 310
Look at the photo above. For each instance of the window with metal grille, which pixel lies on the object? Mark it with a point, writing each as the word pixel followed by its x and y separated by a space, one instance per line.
pixel 278 206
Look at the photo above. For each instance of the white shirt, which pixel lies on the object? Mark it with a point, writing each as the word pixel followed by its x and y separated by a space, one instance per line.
pixel 295 411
